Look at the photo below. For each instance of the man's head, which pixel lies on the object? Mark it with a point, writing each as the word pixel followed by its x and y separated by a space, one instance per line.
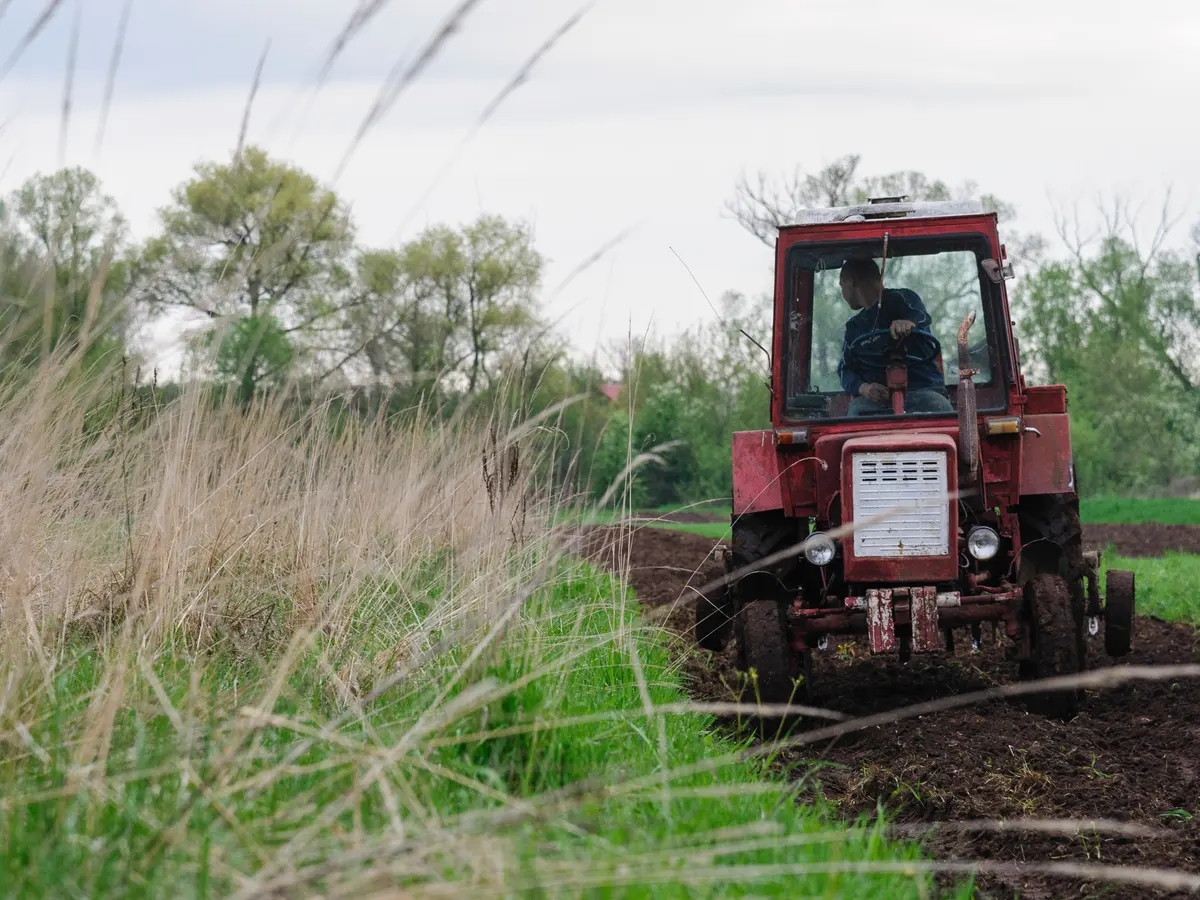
pixel 861 283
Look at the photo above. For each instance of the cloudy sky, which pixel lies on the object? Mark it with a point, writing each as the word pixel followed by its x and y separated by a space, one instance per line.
pixel 643 117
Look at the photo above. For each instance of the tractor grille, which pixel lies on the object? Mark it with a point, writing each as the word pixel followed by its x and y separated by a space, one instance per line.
pixel 911 488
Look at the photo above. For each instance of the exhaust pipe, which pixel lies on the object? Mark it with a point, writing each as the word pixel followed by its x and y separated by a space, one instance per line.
pixel 968 424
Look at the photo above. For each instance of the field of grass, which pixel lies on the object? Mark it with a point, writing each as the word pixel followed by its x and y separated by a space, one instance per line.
pixel 1166 586
pixel 244 654
pixel 1133 511
pixel 714 530
pixel 607 516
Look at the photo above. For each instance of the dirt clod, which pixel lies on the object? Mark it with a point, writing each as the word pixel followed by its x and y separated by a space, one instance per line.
pixel 1129 754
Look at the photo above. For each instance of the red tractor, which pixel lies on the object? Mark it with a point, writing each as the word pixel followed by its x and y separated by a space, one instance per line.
pixel 904 493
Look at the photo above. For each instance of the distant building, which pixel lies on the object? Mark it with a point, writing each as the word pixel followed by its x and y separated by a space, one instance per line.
pixel 611 390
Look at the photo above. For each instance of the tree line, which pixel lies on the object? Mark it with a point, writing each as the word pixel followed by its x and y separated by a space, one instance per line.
pixel 262 262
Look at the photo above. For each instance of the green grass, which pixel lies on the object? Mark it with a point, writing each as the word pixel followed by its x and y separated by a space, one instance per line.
pixel 1166 586
pixel 721 509
pixel 169 812
pixel 1134 511
pixel 715 507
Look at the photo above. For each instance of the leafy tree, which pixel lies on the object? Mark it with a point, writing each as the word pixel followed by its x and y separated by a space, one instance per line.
pixel 1118 322
pixel 544 381
pixel 64 275
pixel 449 313
pixel 692 394
pixel 258 248
pixel 482 282
pixel 369 331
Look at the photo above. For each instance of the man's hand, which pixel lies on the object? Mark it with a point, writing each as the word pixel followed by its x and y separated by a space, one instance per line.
pixel 902 328
pixel 876 393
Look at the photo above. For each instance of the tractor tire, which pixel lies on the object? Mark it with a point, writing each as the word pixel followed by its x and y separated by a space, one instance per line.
pixel 1053 535
pixel 1054 617
pixel 714 621
pixel 765 654
pixel 1118 612
pixel 754 537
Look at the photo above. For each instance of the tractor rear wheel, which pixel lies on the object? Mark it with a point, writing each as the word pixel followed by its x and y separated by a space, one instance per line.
pixel 765 654
pixel 1054 619
pixel 1118 612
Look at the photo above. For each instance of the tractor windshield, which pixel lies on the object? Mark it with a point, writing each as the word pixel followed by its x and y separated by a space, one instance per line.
pixel 842 333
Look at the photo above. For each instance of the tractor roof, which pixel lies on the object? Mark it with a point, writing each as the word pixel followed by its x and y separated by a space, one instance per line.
pixel 888 208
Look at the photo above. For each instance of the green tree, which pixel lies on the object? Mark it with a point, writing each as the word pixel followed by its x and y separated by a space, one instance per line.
pixel 259 249
pixel 449 314
pixel 474 296
pixel 64 274
pixel 1118 322
pixel 691 394
pixel 368 333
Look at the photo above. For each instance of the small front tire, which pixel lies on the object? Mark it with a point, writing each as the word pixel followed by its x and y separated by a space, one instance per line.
pixel 1118 612
pixel 714 624
pixel 1054 618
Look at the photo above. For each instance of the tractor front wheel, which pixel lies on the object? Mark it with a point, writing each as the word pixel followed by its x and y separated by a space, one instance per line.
pixel 765 654
pixel 1055 622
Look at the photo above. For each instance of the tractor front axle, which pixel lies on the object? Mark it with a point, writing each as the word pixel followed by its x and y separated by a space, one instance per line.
pixel 922 612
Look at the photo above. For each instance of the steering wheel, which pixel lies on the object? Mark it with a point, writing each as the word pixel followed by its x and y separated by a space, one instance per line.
pixel 880 354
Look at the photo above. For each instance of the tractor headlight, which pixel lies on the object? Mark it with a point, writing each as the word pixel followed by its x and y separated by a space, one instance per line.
pixel 983 543
pixel 819 549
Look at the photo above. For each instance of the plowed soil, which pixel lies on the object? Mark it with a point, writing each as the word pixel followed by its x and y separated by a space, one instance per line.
pixel 1131 754
pixel 1143 540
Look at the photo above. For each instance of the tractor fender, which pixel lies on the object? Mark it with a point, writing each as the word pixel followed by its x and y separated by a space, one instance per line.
pixel 1047 463
pixel 758 485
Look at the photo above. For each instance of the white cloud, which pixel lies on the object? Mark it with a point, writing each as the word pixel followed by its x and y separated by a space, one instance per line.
pixel 649 111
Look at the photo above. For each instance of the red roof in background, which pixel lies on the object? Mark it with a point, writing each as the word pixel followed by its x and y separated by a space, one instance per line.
pixel 611 390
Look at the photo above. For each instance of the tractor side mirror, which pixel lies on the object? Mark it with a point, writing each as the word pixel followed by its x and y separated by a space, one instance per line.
pixel 996 272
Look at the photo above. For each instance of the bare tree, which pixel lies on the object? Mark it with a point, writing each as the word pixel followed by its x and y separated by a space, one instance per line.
pixel 766 204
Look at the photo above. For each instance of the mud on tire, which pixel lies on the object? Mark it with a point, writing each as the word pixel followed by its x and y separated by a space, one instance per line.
pixel 1053 537
pixel 765 654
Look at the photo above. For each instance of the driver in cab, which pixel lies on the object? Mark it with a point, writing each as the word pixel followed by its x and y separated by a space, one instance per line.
pixel 898 311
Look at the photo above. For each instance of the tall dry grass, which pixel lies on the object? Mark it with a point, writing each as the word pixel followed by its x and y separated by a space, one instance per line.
pixel 266 539
pixel 179 523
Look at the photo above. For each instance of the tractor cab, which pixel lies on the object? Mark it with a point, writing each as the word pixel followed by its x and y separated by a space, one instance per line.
pixel 911 483
pixel 827 347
